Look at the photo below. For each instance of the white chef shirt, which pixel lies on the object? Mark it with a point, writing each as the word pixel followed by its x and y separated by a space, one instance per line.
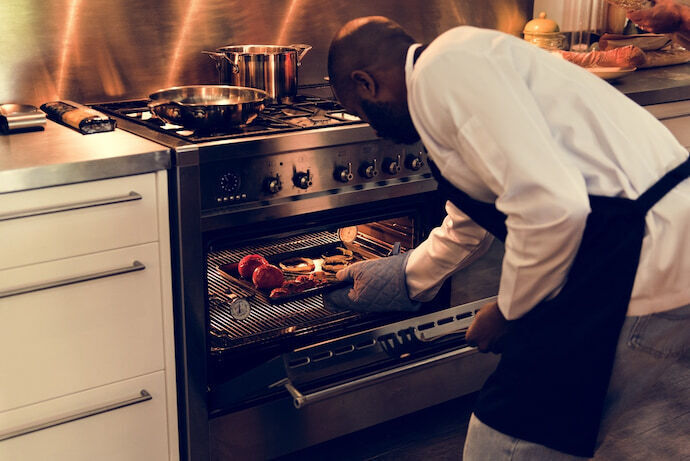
pixel 509 123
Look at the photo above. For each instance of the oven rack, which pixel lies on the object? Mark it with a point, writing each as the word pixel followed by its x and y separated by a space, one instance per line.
pixel 266 321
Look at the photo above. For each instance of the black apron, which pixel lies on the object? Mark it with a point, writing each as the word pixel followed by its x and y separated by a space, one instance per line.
pixel 551 381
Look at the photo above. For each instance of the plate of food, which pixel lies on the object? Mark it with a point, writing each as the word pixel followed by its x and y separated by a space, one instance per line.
pixel 611 73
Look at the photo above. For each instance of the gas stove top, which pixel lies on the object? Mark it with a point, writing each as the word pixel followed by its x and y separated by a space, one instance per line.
pixel 310 153
pixel 306 112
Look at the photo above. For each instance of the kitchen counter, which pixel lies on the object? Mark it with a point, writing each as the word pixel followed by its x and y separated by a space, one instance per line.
pixel 657 85
pixel 60 155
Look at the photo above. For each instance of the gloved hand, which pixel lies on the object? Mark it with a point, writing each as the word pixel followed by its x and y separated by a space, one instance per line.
pixel 378 285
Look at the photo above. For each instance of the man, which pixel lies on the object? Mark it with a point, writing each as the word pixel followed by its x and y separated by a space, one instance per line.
pixel 568 172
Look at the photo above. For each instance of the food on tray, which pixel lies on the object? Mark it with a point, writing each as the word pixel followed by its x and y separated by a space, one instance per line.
pixel 321 277
pixel 306 280
pixel 293 286
pixel 334 267
pixel 279 293
pixel 297 265
pixel 338 255
pixel 627 56
pixel 267 277
pixel 298 285
pixel 249 263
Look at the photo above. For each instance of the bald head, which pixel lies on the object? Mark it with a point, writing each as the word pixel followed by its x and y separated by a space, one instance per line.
pixel 373 44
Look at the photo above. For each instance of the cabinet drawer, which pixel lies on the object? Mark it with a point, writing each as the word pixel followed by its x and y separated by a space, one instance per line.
pixel 137 431
pixel 55 341
pixel 59 222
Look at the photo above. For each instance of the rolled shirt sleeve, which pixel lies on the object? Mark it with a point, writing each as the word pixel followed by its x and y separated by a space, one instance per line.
pixel 455 244
pixel 491 121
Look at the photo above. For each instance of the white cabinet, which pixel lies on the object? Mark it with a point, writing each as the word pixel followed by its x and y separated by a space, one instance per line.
pixel 86 320
pixel 127 433
pixel 59 222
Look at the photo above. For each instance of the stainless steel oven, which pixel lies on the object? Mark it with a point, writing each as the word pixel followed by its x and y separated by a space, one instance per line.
pixel 259 377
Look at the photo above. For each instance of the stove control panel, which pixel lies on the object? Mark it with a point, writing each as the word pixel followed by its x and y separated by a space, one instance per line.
pixel 296 175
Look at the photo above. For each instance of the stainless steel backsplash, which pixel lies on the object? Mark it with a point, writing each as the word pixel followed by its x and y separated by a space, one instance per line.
pixel 104 50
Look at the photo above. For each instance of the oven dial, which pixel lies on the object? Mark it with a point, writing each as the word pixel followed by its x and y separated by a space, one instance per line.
pixel 414 162
pixel 272 185
pixel 344 174
pixel 302 180
pixel 229 183
pixel 392 166
pixel 369 170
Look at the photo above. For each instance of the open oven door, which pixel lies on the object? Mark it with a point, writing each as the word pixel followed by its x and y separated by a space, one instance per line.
pixel 365 370
pixel 346 384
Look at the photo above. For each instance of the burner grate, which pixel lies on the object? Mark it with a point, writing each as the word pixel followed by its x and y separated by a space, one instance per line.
pixel 266 321
pixel 306 112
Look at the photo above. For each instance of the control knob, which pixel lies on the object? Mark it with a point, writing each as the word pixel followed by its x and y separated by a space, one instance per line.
pixel 344 174
pixel 392 166
pixel 302 180
pixel 369 170
pixel 229 183
pixel 272 184
pixel 414 162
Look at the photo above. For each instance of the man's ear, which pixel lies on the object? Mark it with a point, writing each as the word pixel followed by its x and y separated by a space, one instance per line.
pixel 364 83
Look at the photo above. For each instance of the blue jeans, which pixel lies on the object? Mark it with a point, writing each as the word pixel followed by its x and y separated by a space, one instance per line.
pixel 647 409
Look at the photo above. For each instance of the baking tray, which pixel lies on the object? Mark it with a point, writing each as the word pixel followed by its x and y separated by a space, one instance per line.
pixel 313 253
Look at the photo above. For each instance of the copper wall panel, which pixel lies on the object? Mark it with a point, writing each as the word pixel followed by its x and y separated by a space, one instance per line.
pixel 103 50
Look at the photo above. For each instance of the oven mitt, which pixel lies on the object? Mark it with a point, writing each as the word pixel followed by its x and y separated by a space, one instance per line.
pixel 378 285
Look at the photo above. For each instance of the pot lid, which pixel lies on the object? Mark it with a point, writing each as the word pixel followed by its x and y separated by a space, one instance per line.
pixel 541 25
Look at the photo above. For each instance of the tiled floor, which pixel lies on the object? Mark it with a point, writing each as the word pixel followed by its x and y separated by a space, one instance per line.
pixel 436 433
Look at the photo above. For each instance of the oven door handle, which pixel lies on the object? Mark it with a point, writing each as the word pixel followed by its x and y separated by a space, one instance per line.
pixel 300 400
pixel 441 331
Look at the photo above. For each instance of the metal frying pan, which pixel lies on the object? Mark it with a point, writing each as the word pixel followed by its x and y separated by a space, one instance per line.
pixel 207 107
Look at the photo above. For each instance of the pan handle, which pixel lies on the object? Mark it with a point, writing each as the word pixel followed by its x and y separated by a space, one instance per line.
pixel 302 49
pixel 218 58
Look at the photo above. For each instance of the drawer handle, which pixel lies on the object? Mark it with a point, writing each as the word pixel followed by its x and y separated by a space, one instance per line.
pixel 299 399
pixel 73 416
pixel 136 266
pixel 71 206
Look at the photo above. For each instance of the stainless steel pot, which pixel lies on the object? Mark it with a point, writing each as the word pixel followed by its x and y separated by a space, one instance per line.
pixel 271 68
pixel 207 107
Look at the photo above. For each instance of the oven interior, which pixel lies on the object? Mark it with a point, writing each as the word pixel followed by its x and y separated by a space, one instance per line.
pixel 300 339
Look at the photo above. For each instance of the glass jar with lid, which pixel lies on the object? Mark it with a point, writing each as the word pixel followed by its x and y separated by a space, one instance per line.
pixel 544 33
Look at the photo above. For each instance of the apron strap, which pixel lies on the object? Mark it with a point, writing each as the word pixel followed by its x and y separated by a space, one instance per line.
pixel 670 180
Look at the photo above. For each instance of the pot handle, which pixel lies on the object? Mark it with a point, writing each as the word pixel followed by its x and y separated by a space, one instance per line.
pixel 302 49
pixel 218 58
pixel 156 106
